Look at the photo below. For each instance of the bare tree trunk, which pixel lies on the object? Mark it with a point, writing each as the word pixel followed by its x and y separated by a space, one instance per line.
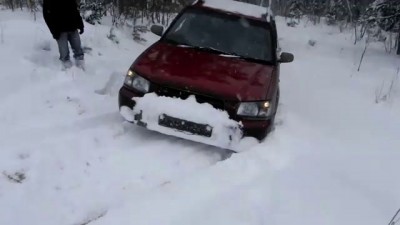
pixel 11 4
pixel 350 11
pixel 355 33
pixel 398 43
pixel 1 33
pixel 363 54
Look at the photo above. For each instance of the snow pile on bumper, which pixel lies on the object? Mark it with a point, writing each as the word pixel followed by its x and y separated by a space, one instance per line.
pixel 151 111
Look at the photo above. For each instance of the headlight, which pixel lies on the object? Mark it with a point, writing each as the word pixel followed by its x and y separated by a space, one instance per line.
pixel 248 109
pixel 255 109
pixel 137 82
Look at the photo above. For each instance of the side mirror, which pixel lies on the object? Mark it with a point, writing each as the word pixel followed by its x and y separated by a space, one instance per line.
pixel 157 30
pixel 286 57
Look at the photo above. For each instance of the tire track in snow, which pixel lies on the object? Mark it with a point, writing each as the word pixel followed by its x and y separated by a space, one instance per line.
pixel 164 160
pixel 79 164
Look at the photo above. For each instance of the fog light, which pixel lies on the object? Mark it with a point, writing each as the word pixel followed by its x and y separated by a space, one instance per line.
pixel 266 104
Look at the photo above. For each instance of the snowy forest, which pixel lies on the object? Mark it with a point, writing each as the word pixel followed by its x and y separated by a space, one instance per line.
pixel 378 19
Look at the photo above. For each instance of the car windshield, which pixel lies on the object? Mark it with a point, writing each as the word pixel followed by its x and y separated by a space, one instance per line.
pixel 223 33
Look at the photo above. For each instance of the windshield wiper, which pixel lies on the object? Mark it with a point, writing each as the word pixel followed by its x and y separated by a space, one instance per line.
pixel 186 45
pixel 231 54
pixel 249 58
pixel 217 51
pixel 208 49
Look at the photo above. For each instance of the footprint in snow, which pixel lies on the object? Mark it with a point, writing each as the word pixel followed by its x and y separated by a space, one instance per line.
pixel 17 177
pixel 78 104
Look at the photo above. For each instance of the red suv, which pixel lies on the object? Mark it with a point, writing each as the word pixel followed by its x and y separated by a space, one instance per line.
pixel 223 53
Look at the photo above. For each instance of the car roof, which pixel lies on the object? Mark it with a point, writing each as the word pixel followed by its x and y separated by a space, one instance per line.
pixel 239 8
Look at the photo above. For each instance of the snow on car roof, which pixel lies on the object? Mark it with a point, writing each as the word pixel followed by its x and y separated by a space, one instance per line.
pixel 242 8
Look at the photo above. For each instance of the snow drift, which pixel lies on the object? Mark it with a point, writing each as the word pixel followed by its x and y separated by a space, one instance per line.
pixel 225 133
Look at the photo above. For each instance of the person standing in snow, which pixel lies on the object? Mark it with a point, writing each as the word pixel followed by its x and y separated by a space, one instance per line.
pixel 65 24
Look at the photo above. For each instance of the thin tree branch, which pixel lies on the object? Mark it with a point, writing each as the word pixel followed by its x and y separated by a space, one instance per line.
pixel 392 222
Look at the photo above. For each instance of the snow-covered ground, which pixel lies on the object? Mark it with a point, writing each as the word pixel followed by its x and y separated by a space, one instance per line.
pixel 67 157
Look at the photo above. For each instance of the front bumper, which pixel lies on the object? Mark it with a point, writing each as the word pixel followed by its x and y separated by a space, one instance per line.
pixel 226 134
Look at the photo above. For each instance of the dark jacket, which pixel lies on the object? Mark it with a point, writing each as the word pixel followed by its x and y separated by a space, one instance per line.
pixel 62 16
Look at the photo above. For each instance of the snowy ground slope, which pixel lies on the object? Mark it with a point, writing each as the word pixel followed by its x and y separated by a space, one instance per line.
pixel 66 157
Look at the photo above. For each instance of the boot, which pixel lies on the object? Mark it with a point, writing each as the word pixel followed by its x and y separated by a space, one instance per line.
pixel 80 63
pixel 66 65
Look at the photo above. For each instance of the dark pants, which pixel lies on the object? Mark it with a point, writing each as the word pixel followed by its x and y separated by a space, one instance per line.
pixel 74 40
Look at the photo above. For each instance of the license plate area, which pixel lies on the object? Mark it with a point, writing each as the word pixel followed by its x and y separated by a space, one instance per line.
pixel 185 126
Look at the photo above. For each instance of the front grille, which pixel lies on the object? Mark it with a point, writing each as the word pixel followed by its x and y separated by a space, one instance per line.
pixel 171 92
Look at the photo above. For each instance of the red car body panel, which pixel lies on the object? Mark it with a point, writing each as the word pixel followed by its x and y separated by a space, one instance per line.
pixel 226 77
